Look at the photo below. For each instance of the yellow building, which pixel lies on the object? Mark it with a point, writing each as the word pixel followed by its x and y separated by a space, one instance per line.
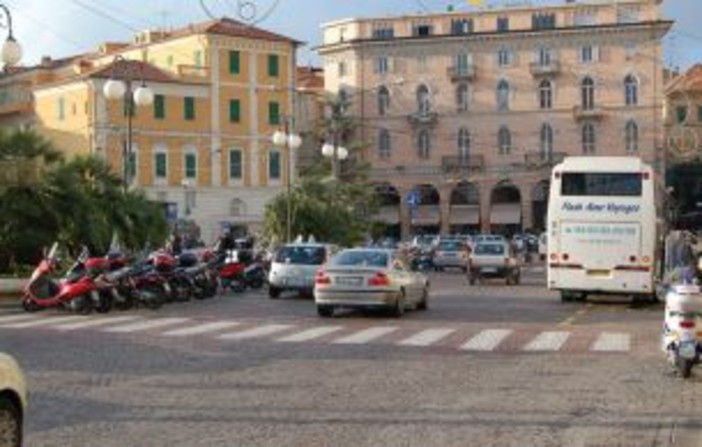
pixel 221 88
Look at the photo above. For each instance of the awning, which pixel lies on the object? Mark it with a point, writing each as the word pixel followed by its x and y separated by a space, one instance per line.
pixel 465 214
pixel 426 215
pixel 506 213
pixel 388 214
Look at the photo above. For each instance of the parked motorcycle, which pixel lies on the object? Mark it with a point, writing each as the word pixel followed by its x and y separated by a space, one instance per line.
pixel 76 291
pixel 682 329
pixel 238 275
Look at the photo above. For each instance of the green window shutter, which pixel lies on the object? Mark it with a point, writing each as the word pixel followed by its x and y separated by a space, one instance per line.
pixel 273 68
pixel 161 165
pixel 159 107
pixel 234 110
pixel 190 165
pixel 273 113
pixel 234 62
pixel 681 114
pixel 61 109
pixel 274 165
pixel 235 169
pixel 189 108
pixel 197 58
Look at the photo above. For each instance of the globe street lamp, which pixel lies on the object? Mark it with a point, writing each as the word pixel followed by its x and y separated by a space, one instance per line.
pixel 11 50
pixel 119 86
pixel 336 153
pixel 291 142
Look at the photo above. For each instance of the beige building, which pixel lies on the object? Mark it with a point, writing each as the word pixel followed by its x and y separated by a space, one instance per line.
pixel 470 110
pixel 683 116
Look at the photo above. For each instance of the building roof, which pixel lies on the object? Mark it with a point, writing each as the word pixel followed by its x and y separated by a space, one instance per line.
pixel 310 78
pixel 227 26
pixel 130 69
pixel 691 80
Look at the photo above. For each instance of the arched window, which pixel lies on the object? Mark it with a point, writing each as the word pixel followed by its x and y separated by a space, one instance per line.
pixel 383 100
pixel 503 96
pixel 588 138
pixel 545 94
pixel 587 92
pixel 384 144
pixel 546 142
pixel 463 143
pixel 423 143
pixel 423 101
pixel 631 90
pixel 462 98
pixel 504 140
pixel 631 136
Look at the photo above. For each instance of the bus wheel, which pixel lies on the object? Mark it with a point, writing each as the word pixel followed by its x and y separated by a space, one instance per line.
pixel 566 297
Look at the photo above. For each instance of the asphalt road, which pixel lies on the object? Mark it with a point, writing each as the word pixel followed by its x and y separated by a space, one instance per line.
pixel 486 365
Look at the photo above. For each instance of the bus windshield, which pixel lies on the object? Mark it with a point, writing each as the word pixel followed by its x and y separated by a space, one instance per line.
pixel 601 184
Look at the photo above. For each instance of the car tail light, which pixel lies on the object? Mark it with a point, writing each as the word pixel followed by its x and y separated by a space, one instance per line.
pixel 379 279
pixel 322 278
pixel 687 324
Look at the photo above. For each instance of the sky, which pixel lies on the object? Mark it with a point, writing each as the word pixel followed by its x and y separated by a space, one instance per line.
pixel 60 28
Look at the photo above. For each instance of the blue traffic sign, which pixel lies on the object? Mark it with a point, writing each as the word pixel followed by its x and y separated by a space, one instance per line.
pixel 413 198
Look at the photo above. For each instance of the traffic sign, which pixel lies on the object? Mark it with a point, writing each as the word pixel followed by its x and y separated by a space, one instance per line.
pixel 413 198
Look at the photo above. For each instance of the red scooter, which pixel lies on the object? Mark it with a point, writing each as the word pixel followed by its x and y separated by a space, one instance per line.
pixel 77 291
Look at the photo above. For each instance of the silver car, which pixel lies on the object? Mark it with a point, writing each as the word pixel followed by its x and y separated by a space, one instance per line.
pixel 369 278
pixel 451 253
pixel 13 401
pixel 294 265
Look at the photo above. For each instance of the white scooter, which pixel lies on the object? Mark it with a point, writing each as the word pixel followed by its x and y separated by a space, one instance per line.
pixel 682 329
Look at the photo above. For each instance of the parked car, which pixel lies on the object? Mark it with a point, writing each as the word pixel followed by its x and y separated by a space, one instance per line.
pixel 369 278
pixel 294 265
pixel 13 402
pixel 493 260
pixel 425 241
pixel 451 253
pixel 489 238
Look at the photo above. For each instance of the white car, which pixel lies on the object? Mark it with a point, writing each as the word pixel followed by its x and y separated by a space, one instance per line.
pixel 294 266
pixel 13 401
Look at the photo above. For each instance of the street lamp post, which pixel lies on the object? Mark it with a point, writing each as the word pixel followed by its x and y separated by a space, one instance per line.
pixel 290 141
pixel 11 50
pixel 119 86
pixel 333 149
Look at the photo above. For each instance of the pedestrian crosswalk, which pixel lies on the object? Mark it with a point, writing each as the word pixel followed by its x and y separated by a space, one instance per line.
pixel 463 338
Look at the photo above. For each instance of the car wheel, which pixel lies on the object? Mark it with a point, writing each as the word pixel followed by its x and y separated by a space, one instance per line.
pixel 10 423
pixel 273 292
pixel 566 297
pixel 325 311
pixel 424 302
pixel 399 308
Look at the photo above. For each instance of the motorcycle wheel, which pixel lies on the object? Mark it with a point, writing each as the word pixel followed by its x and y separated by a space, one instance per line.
pixel 152 296
pixel 29 306
pixel 82 305
pixel 256 283
pixel 104 303
pixel 684 367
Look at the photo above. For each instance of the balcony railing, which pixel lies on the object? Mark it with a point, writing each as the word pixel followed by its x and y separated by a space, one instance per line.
pixel 541 69
pixel 456 164
pixel 590 113
pixel 194 72
pixel 543 160
pixel 462 73
pixel 423 118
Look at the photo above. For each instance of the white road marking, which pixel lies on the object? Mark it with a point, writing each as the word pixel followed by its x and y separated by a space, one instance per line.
pixel 548 341
pixel 260 331
pixel 310 334
pixel 487 340
pixel 201 328
pixel 612 342
pixel 145 325
pixel 426 337
pixel 18 317
pixel 45 321
pixel 366 335
pixel 95 322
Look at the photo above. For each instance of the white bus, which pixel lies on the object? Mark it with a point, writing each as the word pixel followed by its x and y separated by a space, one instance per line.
pixel 602 228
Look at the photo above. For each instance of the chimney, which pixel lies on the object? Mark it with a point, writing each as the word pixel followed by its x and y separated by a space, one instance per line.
pixel 45 61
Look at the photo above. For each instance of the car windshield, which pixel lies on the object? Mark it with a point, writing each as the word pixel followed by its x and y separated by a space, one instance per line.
pixel 301 255
pixel 373 258
pixel 489 249
pixel 425 240
pixel 450 245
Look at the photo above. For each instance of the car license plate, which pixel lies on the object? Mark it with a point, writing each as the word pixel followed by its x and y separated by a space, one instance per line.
pixel 449 255
pixel 489 270
pixel 349 280
pixel 687 350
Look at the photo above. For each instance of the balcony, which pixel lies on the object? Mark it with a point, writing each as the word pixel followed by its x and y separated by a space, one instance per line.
pixel 418 119
pixel 536 160
pixel 591 113
pixel 462 73
pixel 457 164
pixel 194 72
pixel 539 69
